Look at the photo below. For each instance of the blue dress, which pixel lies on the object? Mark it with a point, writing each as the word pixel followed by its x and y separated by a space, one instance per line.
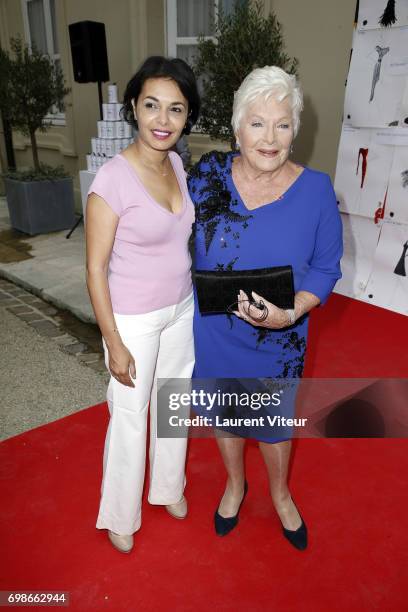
pixel 302 229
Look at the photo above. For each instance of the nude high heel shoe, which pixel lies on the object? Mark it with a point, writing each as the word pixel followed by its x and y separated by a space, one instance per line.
pixel 179 510
pixel 122 543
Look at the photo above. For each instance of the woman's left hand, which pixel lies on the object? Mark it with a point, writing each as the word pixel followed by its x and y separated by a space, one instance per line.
pixel 277 318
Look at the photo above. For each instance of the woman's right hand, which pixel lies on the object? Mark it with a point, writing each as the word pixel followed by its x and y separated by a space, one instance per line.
pixel 122 365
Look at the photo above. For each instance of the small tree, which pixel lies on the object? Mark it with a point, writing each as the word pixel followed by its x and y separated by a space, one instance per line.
pixel 36 85
pixel 244 40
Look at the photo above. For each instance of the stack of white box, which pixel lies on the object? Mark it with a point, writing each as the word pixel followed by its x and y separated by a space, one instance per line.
pixel 114 134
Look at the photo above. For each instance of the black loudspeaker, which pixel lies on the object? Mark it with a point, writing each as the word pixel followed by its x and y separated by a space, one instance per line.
pixel 88 49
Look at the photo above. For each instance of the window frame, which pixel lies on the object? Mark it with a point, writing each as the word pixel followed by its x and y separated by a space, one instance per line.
pixel 172 39
pixel 53 118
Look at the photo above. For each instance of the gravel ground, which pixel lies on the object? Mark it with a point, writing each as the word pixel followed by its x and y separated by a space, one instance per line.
pixel 39 382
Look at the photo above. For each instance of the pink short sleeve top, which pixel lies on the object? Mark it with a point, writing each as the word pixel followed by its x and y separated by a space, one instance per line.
pixel 149 267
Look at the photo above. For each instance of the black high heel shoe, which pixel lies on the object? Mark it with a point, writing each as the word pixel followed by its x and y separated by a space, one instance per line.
pixel 297 537
pixel 223 525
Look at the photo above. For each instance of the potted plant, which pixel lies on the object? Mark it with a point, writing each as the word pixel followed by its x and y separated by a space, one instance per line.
pixel 243 40
pixel 40 199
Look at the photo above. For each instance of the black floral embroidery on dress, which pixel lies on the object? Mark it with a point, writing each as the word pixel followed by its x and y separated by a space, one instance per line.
pixel 293 346
pixel 263 335
pixel 226 267
pixel 214 203
pixel 293 342
pixel 220 267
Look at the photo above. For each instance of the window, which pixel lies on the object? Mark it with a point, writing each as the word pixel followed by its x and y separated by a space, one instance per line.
pixel 187 20
pixel 41 30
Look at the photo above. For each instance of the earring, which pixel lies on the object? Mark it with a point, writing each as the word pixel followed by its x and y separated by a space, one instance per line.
pixel 291 148
pixel 237 145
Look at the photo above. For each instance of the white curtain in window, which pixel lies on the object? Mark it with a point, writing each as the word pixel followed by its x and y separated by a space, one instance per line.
pixel 36 21
pixel 195 17
pixel 227 5
pixel 187 53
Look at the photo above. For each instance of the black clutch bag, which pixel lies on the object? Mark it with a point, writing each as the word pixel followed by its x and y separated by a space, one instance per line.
pixel 217 291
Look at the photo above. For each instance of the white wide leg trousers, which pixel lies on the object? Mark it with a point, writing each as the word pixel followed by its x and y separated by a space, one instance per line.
pixel 161 343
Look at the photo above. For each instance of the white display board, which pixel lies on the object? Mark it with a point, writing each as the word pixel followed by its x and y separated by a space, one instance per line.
pixel 396 208
pixel 362 173
pixel 376 86
pixel 373 13
pixel 371 181
pixel 85 181
pixel 360 240
pixel 388 283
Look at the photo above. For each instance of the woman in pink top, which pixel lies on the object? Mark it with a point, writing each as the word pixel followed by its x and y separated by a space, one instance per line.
pixel 138 221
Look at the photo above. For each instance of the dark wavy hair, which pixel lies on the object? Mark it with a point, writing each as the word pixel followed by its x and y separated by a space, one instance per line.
pixel 156 67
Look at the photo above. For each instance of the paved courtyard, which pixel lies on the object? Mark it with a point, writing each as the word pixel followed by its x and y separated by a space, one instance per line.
pixel 48 265
pixel 47 370
pixel 51 362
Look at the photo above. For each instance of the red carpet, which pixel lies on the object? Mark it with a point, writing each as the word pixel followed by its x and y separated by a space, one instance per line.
pixel 352 494
pixel 349 338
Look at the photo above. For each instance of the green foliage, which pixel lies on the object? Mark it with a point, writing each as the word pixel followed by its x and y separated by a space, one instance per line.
pixel 44 173
pixel 34 85
pixel 244 40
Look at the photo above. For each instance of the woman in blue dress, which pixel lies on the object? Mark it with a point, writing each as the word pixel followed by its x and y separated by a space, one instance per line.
pixel 255 208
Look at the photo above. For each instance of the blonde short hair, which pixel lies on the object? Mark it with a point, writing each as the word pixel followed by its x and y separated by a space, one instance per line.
pixel 266 82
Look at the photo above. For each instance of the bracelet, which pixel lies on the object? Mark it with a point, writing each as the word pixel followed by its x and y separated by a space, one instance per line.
pixel 291 314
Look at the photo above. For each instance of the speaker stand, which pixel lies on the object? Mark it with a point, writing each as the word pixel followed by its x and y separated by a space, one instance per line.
pixel 100 98
pixel 77 222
